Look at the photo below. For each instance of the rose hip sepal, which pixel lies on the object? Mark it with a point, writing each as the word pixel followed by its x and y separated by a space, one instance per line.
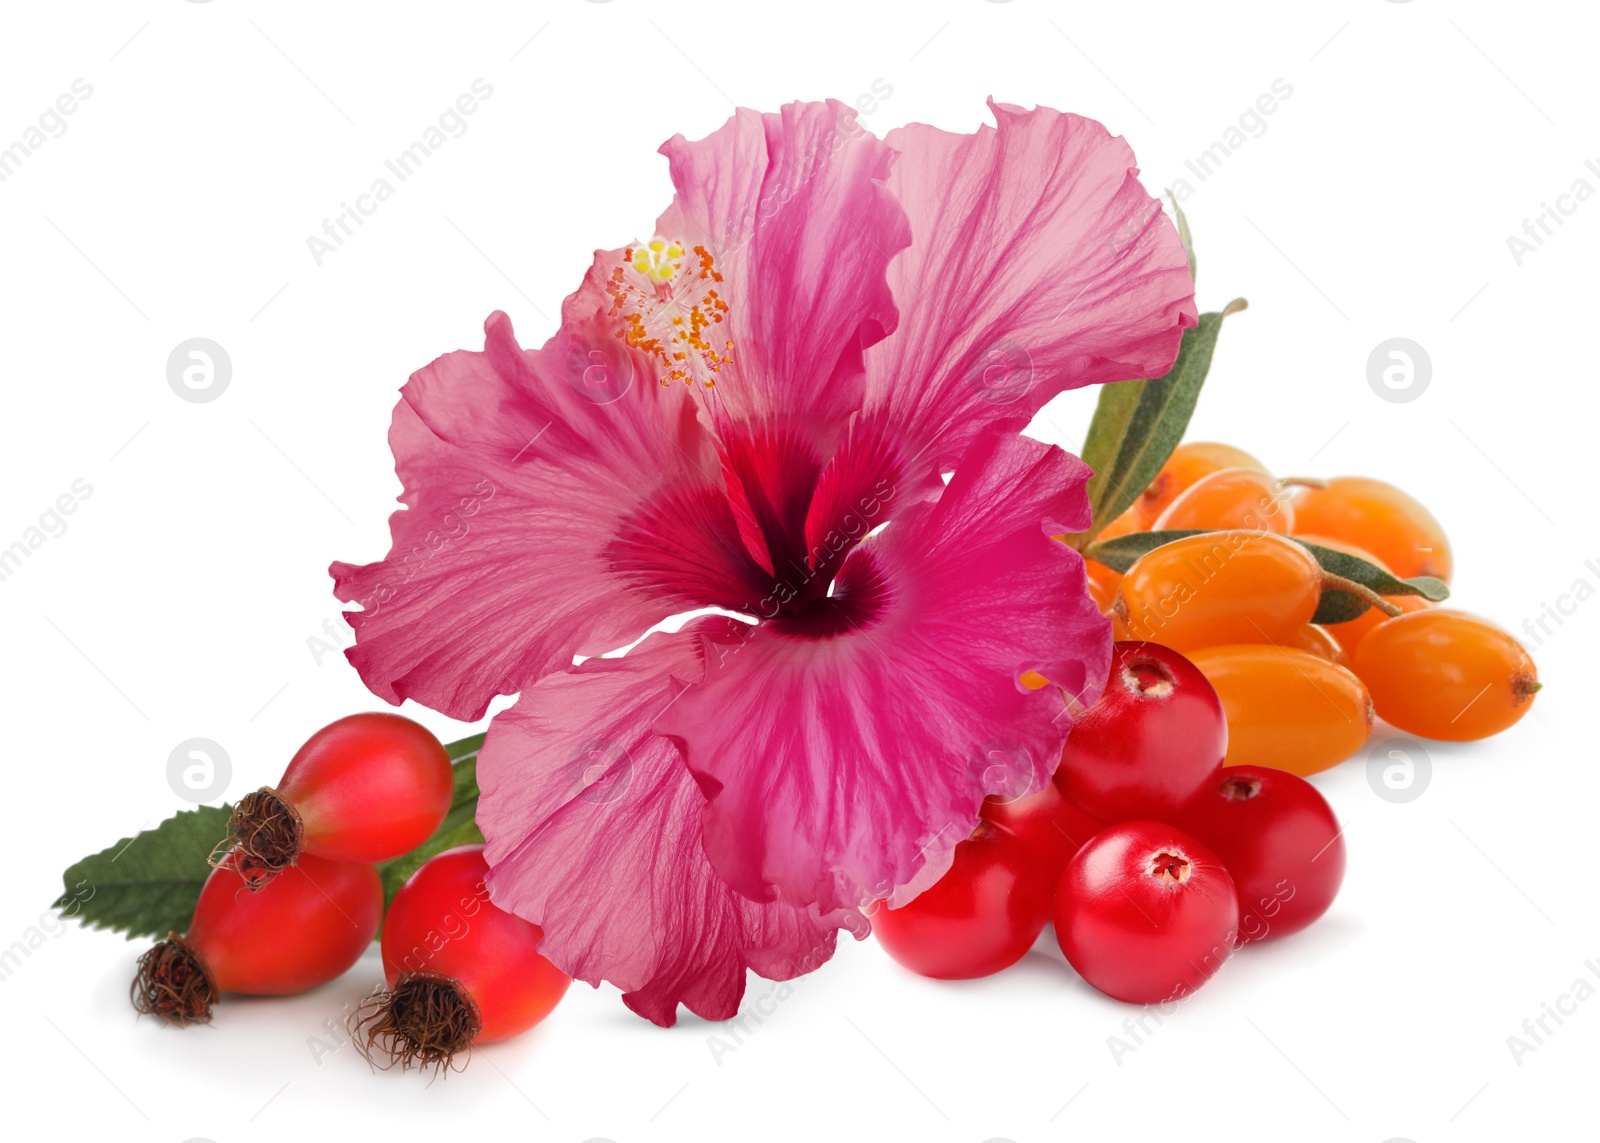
pixel 1280 842
pixel 365 788
pixel 461 971
pixel 1146 913
pixel 1150 744
pixel 304 929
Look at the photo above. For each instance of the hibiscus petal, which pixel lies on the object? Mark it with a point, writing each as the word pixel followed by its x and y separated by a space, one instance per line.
pixel 846 755
pixel 515 479
pixel 793 207
pixel 1038 264
pixel 593 832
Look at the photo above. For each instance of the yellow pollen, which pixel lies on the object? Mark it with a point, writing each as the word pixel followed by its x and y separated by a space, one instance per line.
pixel 671 323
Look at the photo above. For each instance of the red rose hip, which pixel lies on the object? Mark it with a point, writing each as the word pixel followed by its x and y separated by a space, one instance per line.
pixel 1152 742
pixel 1280 842
pixel 980 917
pixel 304 929
pixel 1146 913
pixel 368 787
pixel 461 971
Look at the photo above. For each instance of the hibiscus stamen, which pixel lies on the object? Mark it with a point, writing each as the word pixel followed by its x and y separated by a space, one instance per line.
pixel 670 312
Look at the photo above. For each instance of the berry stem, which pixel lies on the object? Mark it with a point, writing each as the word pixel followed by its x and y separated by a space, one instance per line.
pixel 1331 582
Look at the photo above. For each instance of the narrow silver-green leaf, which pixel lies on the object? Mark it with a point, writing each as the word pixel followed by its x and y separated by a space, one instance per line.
pixel 1183 230
pixel 1343 606
pixel 1137 424
pixel 1121 553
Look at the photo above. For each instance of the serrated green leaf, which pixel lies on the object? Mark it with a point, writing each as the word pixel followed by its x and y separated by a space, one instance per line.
pixel 458 828
pixel 1335 606
pixel 146 885
pixel 1137 424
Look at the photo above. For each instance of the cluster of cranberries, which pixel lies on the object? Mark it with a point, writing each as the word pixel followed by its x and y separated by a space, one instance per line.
pixel 1153 861
pixel 295 898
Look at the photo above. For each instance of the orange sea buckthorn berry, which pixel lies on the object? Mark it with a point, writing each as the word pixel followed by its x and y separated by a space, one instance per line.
pixel 1187 464
pixel 1286 708
pixel 1351 632
pixel 1380 518
pixel 1446 674
pixel 1220 587
pixel 1231 498
pixel 1103 584
pixel 1129 522
pixel 1318 642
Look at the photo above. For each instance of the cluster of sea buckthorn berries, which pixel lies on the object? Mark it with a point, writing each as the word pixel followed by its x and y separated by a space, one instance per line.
pixel 1238 600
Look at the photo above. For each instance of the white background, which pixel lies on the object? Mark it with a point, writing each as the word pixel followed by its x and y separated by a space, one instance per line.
pixel 179 601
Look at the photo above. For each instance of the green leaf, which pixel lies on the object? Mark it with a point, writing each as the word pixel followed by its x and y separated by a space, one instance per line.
pixel 1183 230
pixel 458 828
pixel 1137 424
pixel 146 885
pixel 1341 606
pixel 462 747
pixel 1335 606
pixel 1119 554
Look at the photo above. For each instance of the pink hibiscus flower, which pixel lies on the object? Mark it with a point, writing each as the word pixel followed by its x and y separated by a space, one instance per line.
pixel 824 325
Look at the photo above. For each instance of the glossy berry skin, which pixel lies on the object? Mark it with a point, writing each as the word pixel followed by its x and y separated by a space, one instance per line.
pixel 1316 640
pixel 1126 524
pixel 1231 498
pixel 303 929
pixel 1351 632
pixel 442 922
pixel 1220 587
pixel 368 787
pixel 1281 844
pixel 1445 674
pixel 1046 822
pixel 980 917
pixel 1380 518
pixel 1150 744
pixel 1188 463
pixel 1286 708
pixel 1103 583
pixel 1146 913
